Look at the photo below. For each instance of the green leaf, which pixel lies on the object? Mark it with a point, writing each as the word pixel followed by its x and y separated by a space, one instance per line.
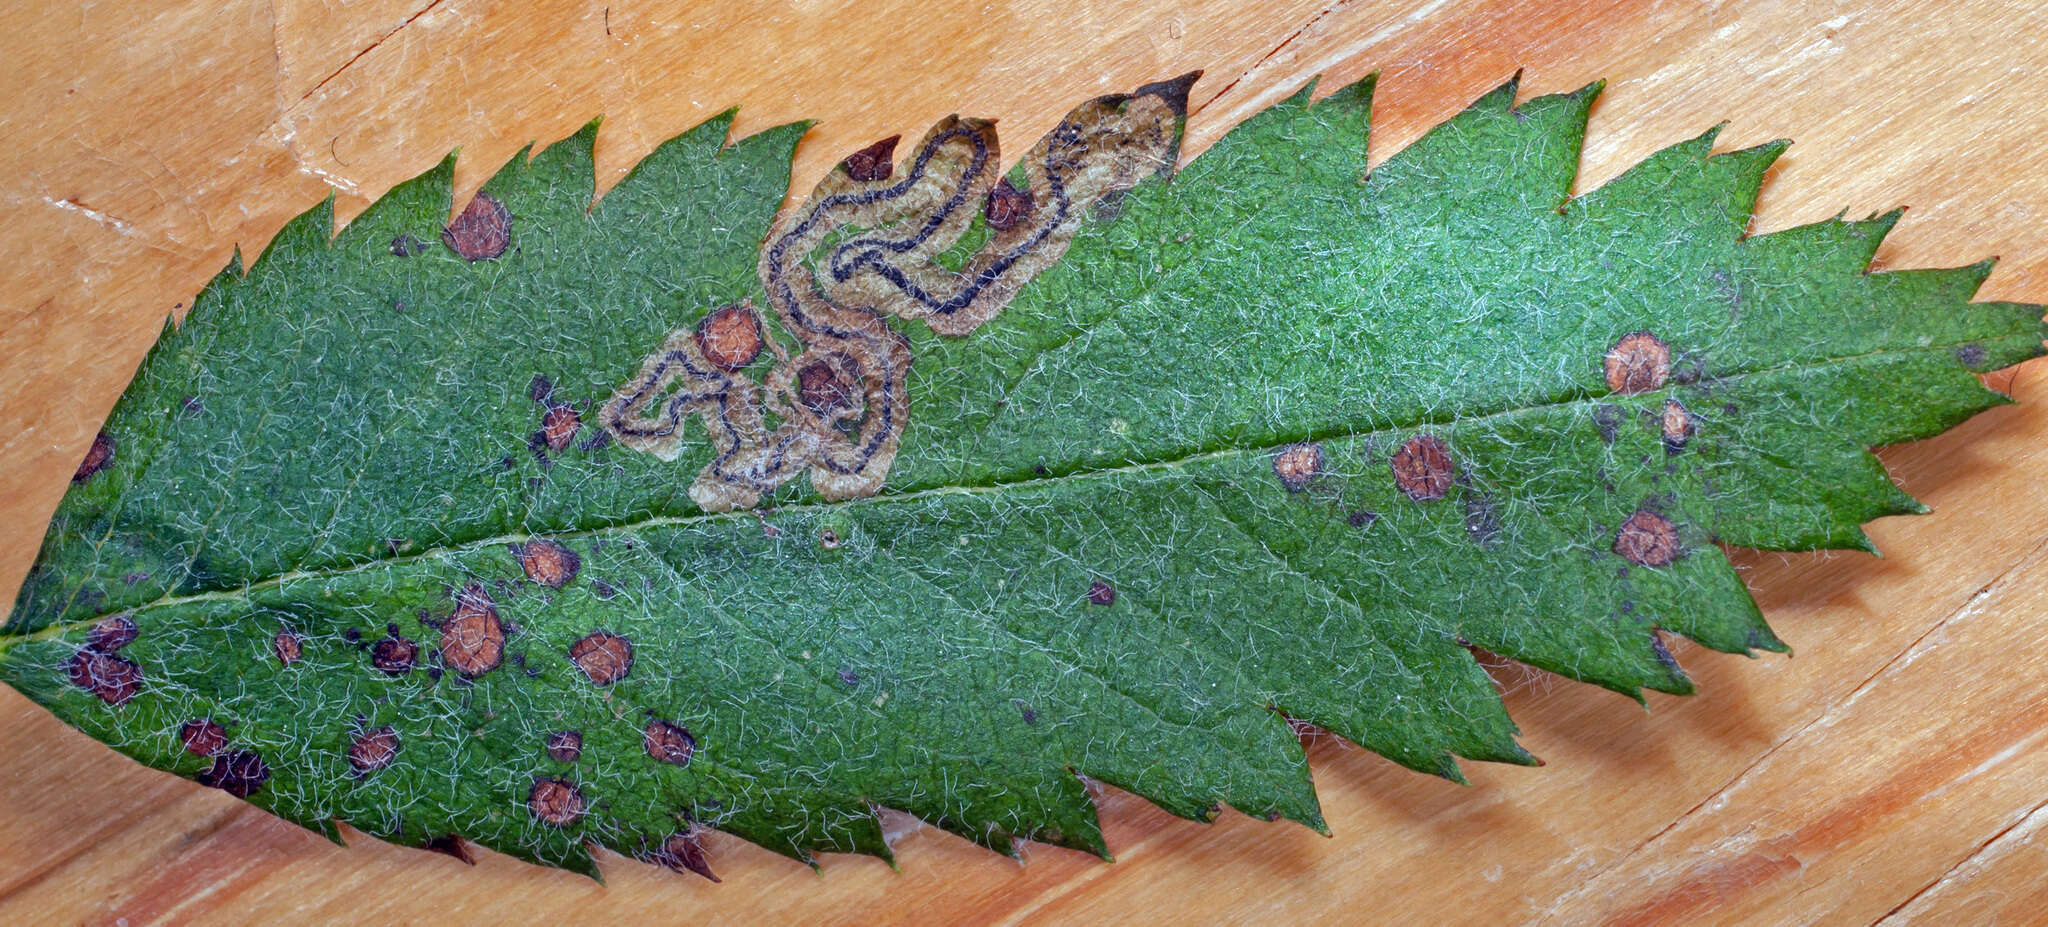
pixel 576 524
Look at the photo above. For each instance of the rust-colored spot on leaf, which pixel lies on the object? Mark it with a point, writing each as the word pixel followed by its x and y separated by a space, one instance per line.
pixel 287 646
pixel 731 336
pixel 565 746
pixel 1100 592
pixel 1007 205
pixel 669 743
pixel 111 678
pixel 373 750
pixel 558 427
pixel 1297 464
pixel 875 162
pixel 240 773
pixel 394 655
pixel 473 638
pixel 97 457
pixel 682 852
pixel 203 737
pixel 1423 469
pixel 1638 363
pixel 547 562
pixel 483 231
pixel 1678 426
pixel 822 390
pixel 1647 539
pixel 604 657
pixel 555 802
pixel 111 634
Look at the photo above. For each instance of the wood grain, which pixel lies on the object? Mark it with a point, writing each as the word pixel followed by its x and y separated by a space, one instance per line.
pixel 1891 771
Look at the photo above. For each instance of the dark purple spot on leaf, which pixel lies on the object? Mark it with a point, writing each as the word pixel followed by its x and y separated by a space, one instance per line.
pixel 483 231
pixel 394 655
pixel 682 852
pixel 373 750
pixel 875 162
pixel 604 657
pixel 555 802
pixel 111 678
pixel 450 845
pixel 97 457
pixel 669 743
pixel 111 634
pixel 1007 206
pixel 240 773
pixel 203 737
pixel 565 746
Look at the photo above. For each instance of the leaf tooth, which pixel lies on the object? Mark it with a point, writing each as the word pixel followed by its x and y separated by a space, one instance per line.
pixel 1500 99
pixel 306 233
pixel 1739 176
pixel 1835 246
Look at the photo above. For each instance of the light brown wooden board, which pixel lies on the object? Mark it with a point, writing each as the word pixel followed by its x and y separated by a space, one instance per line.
pixel 1894 768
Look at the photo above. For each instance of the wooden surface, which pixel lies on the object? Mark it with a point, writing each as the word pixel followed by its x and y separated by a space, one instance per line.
pixel 1892 771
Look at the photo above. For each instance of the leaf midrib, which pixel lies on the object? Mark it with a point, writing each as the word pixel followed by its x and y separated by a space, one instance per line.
pixel 1567 398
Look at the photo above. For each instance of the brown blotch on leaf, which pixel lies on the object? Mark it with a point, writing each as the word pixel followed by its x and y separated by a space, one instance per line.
pixel 1101 592
pixel 555 802
pixel 875 162
pixel 473 638
pixel 1297 464
pixel 1423 469
pixel 1638 363
pixel 240 773
pixel 483 231
pixel 730 337
pixel 373 750
pixel 111 634
pixel 97 457
pixel 547 562
pixel 604 657
pixel 670 743
pixel 111 678
pixel 820 388
pixel 1677 424
pixel 394 655
pixel 203 737
pixel 1647 539
pixel 565 746
pixel 287 646
pixel 558 427
pixel 450 845
pixel 682 852
pixel 1007 206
